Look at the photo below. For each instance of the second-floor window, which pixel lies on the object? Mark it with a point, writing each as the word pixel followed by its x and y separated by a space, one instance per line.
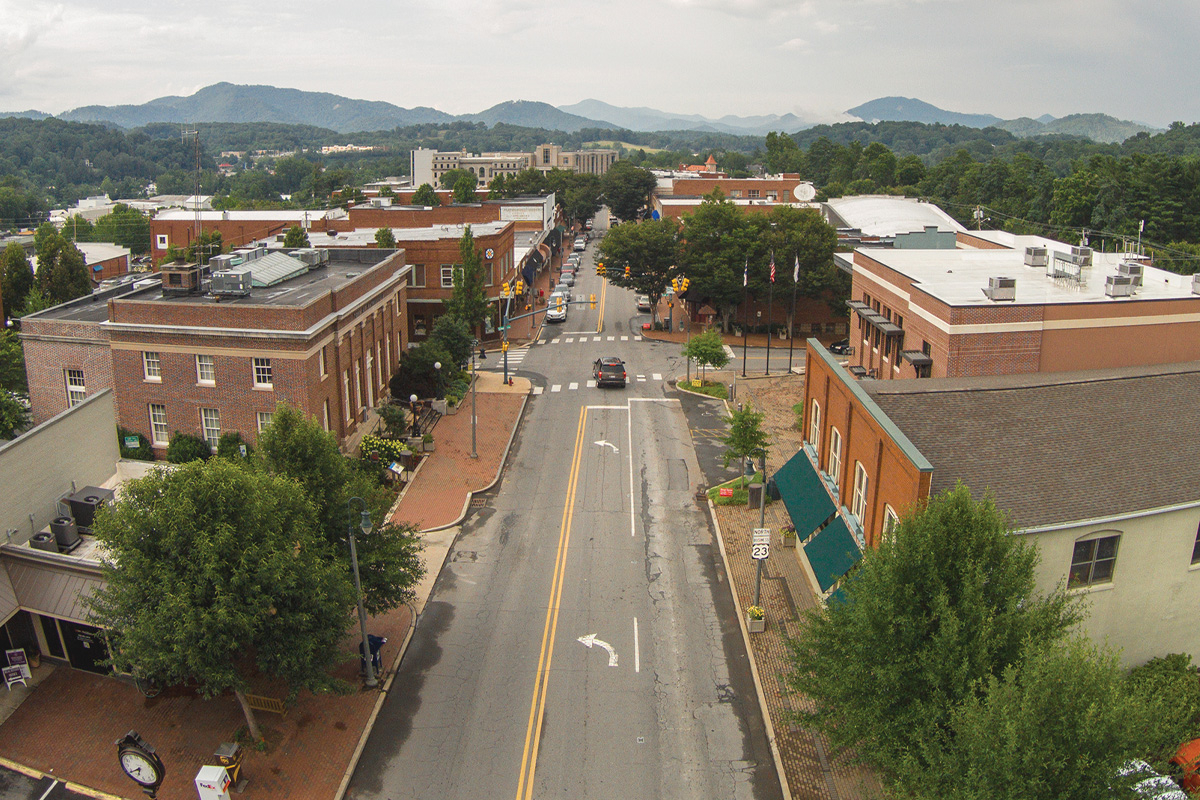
pixel 263 376
pixel 1093 561
pixel 76 388
pixel 814 426
pixel 858 502
pixel 834 462
pixel 151 366
pixel 210 423
pixel 206 370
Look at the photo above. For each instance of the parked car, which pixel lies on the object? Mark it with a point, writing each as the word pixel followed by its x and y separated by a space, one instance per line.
pixel 609 372
pixel 562 288
pixel 580 245
pixel 568 278
pixel 556 307
pixel 643 302
pixel 841 348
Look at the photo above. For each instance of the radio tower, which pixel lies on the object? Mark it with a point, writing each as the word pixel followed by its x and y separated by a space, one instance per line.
pixel 195 135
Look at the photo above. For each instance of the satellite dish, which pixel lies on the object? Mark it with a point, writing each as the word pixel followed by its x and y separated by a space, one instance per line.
pixel 804 192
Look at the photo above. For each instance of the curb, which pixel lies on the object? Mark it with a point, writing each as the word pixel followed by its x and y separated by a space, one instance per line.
pixel 38 775
pixel 758 689
pixel 499 471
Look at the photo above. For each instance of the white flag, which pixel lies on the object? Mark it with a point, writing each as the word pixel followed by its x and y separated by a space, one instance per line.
pixel 796 271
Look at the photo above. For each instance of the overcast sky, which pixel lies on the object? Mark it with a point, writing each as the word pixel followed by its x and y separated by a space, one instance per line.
pixel 815 58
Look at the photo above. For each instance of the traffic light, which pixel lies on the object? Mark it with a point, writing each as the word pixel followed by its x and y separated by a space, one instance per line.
pixel 504 347
pixel 675 284
pixel 683 284
pixel 600 270
pixel 558 303
pixel 520 287
pixel 626 272
pixel 592 301
pixel 505 289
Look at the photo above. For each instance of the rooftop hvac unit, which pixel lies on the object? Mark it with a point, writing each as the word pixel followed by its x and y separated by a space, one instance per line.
pixel 1036 257
pixel 1001 289
pixel 1131 269
pixel 1118 286
pixel 66 533
pixel 180 279
pixel 308 255
pixel 232 283
pixel 85 502
pixel 44 541
pixel 222 262
pixel 1196 283
pixel 1082 256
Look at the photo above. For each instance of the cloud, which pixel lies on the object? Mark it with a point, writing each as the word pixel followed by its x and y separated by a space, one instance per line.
pixel 794 44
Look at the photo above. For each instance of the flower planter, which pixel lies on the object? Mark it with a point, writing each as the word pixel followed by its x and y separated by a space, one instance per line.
pixel 427 446
pixel 789 539
pixel 756 625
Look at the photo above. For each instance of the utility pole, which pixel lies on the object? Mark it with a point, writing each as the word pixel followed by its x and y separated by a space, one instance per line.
pixel 746 313
pixel 792 318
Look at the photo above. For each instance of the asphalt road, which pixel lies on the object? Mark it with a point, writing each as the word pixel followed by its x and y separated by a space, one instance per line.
pixel 580 641
pixel 17 786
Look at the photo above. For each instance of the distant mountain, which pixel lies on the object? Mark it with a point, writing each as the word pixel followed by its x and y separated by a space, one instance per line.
pixel 1097 127
pixel 529 114
pixel 910 109
pixel 31 114
pixel 651 119
pixel 227 102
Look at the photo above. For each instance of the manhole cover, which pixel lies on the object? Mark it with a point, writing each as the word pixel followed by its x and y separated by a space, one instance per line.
pixel 478 502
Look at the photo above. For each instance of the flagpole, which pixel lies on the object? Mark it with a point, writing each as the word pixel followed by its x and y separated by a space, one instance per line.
pixel 770 300
pixel 746 313
pixel 792 326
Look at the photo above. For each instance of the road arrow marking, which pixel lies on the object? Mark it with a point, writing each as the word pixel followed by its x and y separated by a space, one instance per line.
pixel 603 443
pixel 591 639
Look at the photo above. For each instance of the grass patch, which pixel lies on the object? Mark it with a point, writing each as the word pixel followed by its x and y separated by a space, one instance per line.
pixel 710 388
pixel 612 145
pixel 741 495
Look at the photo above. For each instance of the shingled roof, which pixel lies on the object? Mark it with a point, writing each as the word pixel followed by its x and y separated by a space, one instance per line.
pixel 1058 447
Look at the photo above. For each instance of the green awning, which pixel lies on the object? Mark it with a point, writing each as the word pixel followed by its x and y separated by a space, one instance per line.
pixel 832 553
pixel 804 494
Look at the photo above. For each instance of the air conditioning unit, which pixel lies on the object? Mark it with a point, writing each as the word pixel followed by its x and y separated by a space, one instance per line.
pixel 44 541
pixel 66 533
pixel 1131 269
pixel 1082 256
pixel 1001 289
pixel 84 504
pixel 234 283
pixel 1037 257
pixel 179 279
pixel 1196 283
pixel 1118 286
pixel 308 255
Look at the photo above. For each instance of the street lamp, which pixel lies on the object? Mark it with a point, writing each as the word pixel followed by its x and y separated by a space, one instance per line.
pixel 474 380
pixel 412 406
pixel 365 525
pixel 437 391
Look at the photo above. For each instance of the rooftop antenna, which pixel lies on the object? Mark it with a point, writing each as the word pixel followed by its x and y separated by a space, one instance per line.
pixel 195 134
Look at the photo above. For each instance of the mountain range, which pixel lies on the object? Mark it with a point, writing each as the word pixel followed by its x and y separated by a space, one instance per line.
pixel 227 102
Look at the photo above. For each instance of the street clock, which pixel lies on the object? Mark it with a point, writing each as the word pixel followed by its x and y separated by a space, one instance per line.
pixel 141 763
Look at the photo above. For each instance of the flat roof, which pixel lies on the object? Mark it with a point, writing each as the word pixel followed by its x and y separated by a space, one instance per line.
pixel 884 215
pixel 365 237
pixel 101 251
pixel 290 215
pixel 958 277
pixel 1056 448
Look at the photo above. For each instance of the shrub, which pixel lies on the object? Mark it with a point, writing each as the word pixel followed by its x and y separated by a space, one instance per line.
pixel 395 419
pixel 185 447
pixel 377 448
pixel 143 451
pixel 230 445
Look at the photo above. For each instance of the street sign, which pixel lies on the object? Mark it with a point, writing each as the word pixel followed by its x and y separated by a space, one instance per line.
pixel 760 546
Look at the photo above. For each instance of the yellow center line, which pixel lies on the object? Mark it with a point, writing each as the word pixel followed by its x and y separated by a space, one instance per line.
pixel 603 296
pixel 537 706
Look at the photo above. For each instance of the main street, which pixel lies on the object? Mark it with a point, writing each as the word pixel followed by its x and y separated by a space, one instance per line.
pixel 580 640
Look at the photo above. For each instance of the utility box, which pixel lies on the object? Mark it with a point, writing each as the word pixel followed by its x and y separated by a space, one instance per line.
pixel 754 494
pixel 212 783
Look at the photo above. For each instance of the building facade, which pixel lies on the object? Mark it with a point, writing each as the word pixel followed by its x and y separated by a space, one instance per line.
pixel 177 228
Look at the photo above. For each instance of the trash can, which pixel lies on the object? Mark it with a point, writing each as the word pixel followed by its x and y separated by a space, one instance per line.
pixel 754 494
pixel 376 644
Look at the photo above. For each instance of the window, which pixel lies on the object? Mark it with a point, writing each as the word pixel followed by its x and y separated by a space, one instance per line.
pixel 448 276
pixel 735 192
pixel 321 362
pixel 752 193
pixel 419 325
pixel 890 520
pixel 858 503
pixel 834 464
pixel 262 373
pixel 346 393
pixel 370 370
pixel 206 370
pixel 325 419
pixel 210 425
pixel 418 275
pixel 772 194
pixel 162 241
pixel 1196 549
pixel 1093 560
pixel 487 273
pixel 814 426
pixel 264 419
pixel 926 348
pixel 158 424
pixel 151 366
pixel 76 389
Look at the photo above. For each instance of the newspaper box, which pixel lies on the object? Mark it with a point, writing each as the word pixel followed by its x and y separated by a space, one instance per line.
pixel 212 783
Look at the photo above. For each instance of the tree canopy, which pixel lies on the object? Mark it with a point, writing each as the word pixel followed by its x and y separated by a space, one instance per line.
pixel 746 437
pixel 426 196
pixel 385 238
pixel 468 299
pixel 651 251
pixel 627 189
pixel 295 237
pixel 16 279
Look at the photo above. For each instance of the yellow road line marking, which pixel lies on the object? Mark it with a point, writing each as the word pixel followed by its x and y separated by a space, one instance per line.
pixel 537 706
pixel 603 297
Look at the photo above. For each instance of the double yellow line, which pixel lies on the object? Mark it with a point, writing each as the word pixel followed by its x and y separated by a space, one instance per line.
pixel 603 296
pixel 537 707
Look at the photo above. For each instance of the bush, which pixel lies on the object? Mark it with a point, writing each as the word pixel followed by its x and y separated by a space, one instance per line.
pixel 143 452
pixel 185 447
pixel 375 448
pixel 230 445
pixel 395 419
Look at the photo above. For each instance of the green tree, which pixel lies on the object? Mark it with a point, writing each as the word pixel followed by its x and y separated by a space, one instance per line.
pixel 792 235
pixel 385 238
pixel 184 448
pixel 62 272
pixel 426 196
pixel 468 300
pixel 125 226
pixel 454 336
pixel 716 240
pixel 16 279
pixel 464 189
pixel 746 438
pixel 13 416
pixel 939 607
pixel 216 571
pixel 627 189
pixel 296 237
pixel 416 374
pixel 707 349
pixel 450 177
pixel 580 198
pixel 12 362
pixel 78 229
pixel 651 251
pixel 35 301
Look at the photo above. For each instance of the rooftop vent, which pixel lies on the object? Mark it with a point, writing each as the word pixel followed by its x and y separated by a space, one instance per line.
pixel 1037 257
pixel 1132 270
pixel 1001 289
pixel 1082 256
pixel 1118 286
pixel 1196 283
pixel 180 279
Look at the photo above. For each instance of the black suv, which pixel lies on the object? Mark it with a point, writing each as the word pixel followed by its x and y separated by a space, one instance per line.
pixel 609 371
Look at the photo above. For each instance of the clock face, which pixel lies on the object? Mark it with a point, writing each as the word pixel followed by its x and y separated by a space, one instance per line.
pixel 489 252
pixel 139 767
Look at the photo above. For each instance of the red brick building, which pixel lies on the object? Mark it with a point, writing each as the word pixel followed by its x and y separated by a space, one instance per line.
pixel 529 213
pixel 104 261
pixel 321 334
pixel 175 227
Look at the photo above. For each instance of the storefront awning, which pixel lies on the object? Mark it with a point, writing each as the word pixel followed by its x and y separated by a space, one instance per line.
pixel 804 494
pixel 832 552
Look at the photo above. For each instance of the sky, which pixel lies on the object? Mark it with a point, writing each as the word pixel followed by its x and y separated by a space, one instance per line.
pixel 814 58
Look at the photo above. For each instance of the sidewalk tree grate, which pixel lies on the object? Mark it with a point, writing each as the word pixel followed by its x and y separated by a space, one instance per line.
pixel 478 502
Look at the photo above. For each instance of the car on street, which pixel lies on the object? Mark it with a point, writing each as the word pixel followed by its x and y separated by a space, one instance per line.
pixel 556 307
pixel 568 278
pixel 609 371
pixel 643 302
pixel 580 245
pixel 841 348
pixel 562 288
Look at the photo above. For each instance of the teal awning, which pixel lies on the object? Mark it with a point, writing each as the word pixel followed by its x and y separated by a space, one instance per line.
pixel 804 494
pixel 832 553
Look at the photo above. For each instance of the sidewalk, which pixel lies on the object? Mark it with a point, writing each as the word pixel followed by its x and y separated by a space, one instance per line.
pixel 66 726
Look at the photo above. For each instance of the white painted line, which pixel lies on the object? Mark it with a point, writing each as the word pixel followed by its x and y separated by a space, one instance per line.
pixel 632 511
pixel 570 341
pixel 637 650
pixel 624 338
pixel 570 388
pixel 729 352
pixel 596 339
pixel 612 338
pixel 537 390
pixel 556 388
pixel 657 376
pixel 591 384
pixel 554 341
pixel 641 378
pixel 51 789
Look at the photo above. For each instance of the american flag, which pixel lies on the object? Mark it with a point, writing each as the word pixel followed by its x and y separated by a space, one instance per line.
pixel 772 267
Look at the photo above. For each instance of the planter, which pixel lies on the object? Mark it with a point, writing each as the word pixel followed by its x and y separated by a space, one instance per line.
pixel 427 446
pixel 440 407
pixel 414 443
pixel 756 625
pixel 451 410
pixel 789 539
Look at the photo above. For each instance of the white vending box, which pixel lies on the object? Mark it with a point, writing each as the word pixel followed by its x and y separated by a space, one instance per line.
pixel 212 783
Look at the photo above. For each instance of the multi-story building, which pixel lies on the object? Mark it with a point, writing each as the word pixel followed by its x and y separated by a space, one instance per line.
pixel 317 329
pixel 679 195
pixel 177 227
pixel 104 261
pixel 528 213
pixel 428 166
pixel 1076 459
pixel 1003 304
pixel 592 162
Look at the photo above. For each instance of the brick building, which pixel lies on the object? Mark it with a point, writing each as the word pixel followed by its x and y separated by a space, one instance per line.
pixel 1003 304
pixel 428 166
pixel 237 228
pixel 592 162
pixel 317 329
pixel 1095 505
pixel 104 261
pixel 529 213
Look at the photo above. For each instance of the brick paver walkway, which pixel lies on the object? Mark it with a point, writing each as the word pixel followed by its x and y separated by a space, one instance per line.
pixel 438 496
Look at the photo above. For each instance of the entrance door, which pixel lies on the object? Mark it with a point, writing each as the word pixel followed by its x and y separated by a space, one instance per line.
pixel 86 647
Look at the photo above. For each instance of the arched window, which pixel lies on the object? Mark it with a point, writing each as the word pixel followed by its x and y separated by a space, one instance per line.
pixel 814 426
pixel 858 501
pixel 834 463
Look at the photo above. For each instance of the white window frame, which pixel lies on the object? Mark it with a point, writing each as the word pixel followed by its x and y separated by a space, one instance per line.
pixel 163 241
pixel 263 418
pixel 814 426
pixel 206 363
pixel 261 367
pixel 76 387
pixel 834 460
pixel 321 362
pixel 346 394
pixel 210 426
pixel 160 434
pixel 325 420
pixel 152 366
pixel 890 520
pixel 447 276
pixel 858 500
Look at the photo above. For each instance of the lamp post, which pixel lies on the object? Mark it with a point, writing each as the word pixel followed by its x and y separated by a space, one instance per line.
pixel 437 392
pixel 365 525
pixel 474 380
pixel 762 523
pixel 412 406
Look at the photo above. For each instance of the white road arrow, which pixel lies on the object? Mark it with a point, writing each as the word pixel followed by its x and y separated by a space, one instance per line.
pixel 603 443
pixel 591 639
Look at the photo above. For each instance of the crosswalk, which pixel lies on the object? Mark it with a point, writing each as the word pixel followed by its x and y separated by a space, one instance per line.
pixel 495 361
pixel 578 339
pixel 557 388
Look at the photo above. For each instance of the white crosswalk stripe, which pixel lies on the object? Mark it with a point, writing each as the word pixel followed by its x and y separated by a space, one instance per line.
pixel 569 341
pixel 537 390
pixel 637 338
pixel 591 384
pixel 515 357
pixel 641 378
pixel 556 388
pixel 657 376
pixel 596 339
pixel 624 338
pixel 571 388
pixel 612 338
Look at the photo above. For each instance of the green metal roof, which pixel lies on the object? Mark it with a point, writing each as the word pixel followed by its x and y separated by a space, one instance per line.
pixel 804 494
pixel 832 552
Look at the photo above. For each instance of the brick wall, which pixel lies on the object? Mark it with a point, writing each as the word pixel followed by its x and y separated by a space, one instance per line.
pixel 54 346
